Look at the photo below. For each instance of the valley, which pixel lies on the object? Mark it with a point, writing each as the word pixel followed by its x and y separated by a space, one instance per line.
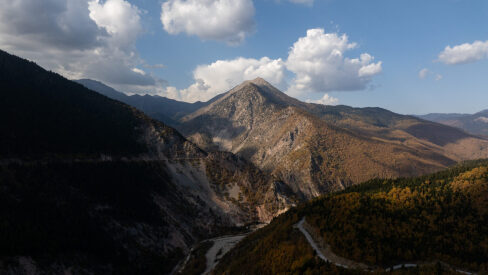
pixel 125 193
pixel 243 137
pixel 134 188
pixel 409 231
pixel 314 149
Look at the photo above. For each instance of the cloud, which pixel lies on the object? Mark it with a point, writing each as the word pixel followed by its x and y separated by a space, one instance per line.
pixel 319 64
pixel 77 38
pixel 325 100
pixel 139 71
pixel 423 73
pixel 220 76
pixel 317 61
pixel 119 18
pixel 464 53
pixel 110 66
pixel 223 20
pixel 31 24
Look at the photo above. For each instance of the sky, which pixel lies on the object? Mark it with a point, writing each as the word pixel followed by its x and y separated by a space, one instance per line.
pixel 408 56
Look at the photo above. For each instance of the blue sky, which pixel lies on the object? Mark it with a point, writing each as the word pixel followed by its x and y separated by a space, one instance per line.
pixel 404 37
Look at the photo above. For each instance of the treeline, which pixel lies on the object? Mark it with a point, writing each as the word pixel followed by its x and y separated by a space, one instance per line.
pixel 438 178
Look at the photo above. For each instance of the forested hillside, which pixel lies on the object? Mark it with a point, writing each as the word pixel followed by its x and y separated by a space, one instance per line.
pixel 438 218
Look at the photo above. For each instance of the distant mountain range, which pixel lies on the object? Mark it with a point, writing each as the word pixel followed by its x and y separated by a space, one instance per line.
pixel 92 185
pixel 315 148
pixel 166 110
pixel 476 124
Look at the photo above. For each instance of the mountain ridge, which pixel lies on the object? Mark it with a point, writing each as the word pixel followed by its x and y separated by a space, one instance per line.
pixel 439 146
pixel 476 124
pixel 316 148
pixel 163 109
pixel 132 193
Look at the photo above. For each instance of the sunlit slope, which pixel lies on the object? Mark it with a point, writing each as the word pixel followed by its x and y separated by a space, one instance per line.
pixel 441 217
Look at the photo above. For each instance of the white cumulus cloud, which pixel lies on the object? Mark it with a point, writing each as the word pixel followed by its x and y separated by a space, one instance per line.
pixel 77 38
pixel 222 75
pixel 325 100
pixel 118 17
pixel 464 53
pixel 317 62
pixel 320 65
pixel 223 20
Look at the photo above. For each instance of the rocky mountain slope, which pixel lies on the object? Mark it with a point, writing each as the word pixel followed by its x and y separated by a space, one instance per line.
pixel 91 185
pixel 315 148
pixel 476 124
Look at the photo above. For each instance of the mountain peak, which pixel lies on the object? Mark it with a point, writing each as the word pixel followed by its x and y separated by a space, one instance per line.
pixel 267 90
pixel 256 92
pixel 257 82
pixel 247 90
pixel 260 82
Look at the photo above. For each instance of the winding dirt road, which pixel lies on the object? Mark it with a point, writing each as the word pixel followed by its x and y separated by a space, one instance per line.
pixel 324 252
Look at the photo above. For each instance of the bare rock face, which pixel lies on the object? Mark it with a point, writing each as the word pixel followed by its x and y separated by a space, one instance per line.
pixel 316 149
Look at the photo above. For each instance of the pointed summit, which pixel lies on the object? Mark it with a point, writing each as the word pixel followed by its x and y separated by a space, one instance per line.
pixel 257 82
pixel 260 82
pixel 256 92
pixel 266 90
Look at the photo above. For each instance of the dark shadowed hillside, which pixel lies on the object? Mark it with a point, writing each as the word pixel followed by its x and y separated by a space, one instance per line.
pixel 44 114
pixel 91 185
